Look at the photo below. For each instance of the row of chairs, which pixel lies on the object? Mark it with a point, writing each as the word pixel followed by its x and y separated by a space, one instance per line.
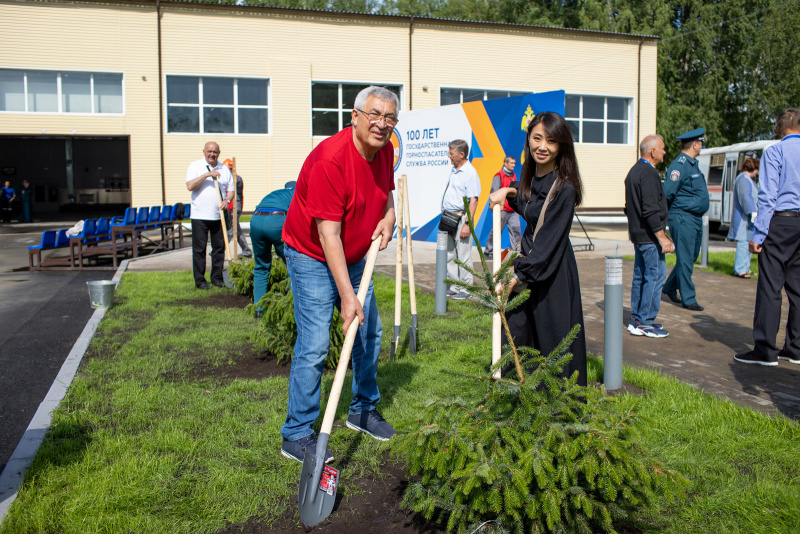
pixel 145 218
pixel 100 236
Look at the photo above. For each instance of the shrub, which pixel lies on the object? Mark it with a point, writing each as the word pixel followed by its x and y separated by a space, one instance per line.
pixel 241 272
pixel 278 331
pixel 535 452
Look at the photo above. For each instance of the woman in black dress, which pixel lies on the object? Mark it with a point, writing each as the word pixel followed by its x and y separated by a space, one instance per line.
pixel 548 264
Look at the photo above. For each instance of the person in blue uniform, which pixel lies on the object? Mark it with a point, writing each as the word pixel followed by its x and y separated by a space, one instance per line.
pixel 26 195
pixel 687 199
pixel 266 226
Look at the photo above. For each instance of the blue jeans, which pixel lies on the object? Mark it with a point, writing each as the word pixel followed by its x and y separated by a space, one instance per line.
pixel 315 295
pixel 265 232
pixel 649 272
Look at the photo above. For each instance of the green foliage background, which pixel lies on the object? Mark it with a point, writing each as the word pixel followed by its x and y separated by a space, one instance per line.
pixel 729 67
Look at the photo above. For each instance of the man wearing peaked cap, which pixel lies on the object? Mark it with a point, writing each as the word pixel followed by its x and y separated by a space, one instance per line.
pixel 687 198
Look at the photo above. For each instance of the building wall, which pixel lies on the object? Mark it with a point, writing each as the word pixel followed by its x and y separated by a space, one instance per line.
pixel 292 48
pixel 86 36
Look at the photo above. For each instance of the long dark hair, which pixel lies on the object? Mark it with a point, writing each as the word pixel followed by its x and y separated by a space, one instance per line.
pixel 567 164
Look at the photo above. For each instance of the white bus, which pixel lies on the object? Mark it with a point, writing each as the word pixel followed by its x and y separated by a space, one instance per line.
pixel 721 165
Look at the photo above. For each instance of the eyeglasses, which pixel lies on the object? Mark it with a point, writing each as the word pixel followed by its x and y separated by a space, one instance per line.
pixel 374 117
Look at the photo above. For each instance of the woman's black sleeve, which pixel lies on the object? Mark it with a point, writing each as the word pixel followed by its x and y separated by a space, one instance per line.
pixel 551 241
pixel 513 201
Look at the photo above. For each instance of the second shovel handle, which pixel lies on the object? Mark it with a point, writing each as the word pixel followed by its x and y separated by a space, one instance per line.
pixel 349 339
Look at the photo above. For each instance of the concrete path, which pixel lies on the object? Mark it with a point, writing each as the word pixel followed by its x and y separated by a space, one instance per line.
pixel 701 345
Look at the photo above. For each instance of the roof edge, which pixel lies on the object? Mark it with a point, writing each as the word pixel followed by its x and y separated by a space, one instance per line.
pixel 383 15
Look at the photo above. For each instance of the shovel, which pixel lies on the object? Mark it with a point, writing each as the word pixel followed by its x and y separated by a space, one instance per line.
pixel 398 279
pixel 319 482
pixel 412 330
pixel 225 276
pixel 496 261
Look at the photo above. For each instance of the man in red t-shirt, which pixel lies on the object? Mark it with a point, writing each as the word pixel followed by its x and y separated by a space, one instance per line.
pixel 343 200
pixel 507 215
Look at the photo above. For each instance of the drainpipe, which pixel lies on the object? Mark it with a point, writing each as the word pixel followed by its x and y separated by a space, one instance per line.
pixel 161 108
pixel 410 75
pixel 638 96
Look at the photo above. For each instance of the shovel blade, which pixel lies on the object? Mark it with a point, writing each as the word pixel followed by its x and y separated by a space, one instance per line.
pixel 227 279
pixel 412 339
pixel 316 501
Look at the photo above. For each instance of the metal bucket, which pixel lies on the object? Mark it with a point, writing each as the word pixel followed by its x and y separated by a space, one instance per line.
pixel 101 293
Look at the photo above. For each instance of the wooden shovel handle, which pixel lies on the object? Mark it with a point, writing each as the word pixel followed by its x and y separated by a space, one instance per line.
pixel 349 339
pixel 398 279
pixel 222 220
pixel 407 223
pixel 496 261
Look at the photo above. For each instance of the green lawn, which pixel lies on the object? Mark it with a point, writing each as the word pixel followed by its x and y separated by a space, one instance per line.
pixel 718 262
pixel 142 445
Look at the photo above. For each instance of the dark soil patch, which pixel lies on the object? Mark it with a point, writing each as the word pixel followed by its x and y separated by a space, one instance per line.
pixel 249 364
pixel 371 507
pixel 223 299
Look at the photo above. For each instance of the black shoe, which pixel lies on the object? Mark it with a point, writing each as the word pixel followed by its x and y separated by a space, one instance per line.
pixel 694 307
pixel 753 357
pixel 673 297
pixel 218 283
pixel 371 423
pixel 296 450
pixel 203 285
pixel 783 355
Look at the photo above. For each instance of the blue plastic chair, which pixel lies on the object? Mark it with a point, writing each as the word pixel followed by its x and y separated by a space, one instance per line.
pixel 48 241
pixel 89 231
pixel 141 218
pixel 103 229
pixel 166 213
pixel 129 219
pixel 62 240
pixel 187 211
pixel 154 217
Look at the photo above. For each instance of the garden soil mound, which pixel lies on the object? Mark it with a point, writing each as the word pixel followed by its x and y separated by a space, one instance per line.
pixel 373 506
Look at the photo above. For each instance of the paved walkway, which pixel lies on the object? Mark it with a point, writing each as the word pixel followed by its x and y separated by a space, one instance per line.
pixel 699 349
pixel 701 345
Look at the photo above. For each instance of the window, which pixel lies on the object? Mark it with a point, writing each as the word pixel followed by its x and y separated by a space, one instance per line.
pixel 332 104
pixel 198 104
pixel 449 96
pixel 598 119
pixel 43 91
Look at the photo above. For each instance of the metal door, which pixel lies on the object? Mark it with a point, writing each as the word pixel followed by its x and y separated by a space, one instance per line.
pixel 727 186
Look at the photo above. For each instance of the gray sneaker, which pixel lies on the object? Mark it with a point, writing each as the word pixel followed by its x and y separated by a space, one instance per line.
pixel 297 449
pixel 451 291
pixel 461 295
pixel 372 423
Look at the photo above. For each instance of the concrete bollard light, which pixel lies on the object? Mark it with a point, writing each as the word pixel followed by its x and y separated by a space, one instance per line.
pixel 441 273
pixel 612 324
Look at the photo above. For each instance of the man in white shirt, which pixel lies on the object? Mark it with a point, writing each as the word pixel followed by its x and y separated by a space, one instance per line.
pixel 206 206
pixel 462 182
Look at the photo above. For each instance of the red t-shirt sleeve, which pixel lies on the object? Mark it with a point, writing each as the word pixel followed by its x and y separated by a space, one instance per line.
pixel 326 192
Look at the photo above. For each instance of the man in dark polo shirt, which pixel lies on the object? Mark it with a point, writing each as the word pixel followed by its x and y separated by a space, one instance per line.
pixel 343 200
pixel 646 208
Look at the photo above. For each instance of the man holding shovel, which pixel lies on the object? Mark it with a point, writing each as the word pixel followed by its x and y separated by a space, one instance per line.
pixel 201 179
pixel 343 200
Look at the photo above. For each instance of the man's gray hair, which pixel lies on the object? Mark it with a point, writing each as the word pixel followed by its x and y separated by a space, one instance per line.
pixel 460 145
pixel 648 143
pixel 380 93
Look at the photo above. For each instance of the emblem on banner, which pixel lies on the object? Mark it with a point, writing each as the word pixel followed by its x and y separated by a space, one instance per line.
pixel 397 143
pixel 527 118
